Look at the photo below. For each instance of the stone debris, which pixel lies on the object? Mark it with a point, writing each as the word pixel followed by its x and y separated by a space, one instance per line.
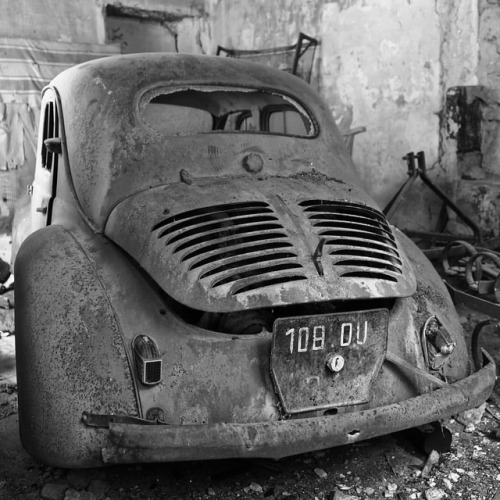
pixel 79 495
pixel 320 473
pixel 448 483
pixel 391 490
pixel 432 460
pixel 434 494
pixel 469 428
pixel 472 417
pixel 51 491
pixel 340 495
pixel 255 487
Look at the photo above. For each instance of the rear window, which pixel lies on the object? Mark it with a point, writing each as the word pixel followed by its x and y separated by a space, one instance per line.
pixel 201 110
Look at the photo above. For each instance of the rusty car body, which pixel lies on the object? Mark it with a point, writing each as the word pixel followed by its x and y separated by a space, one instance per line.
pixel 205 277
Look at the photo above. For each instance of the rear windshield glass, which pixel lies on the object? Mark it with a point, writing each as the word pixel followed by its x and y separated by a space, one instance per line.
pixel 201 110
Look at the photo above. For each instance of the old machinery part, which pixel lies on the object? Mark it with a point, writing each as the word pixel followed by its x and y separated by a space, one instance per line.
pixel 420 170
pixel 451 249
pixel 476 283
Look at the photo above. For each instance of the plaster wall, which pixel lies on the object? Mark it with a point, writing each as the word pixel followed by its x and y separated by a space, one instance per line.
pixel 384 65
pixel 54 20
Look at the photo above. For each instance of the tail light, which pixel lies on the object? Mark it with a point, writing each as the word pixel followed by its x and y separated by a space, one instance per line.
pixel 147 360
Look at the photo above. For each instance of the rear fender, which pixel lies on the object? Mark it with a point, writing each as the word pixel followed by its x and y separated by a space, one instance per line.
pixel 433 299
pixel 69 350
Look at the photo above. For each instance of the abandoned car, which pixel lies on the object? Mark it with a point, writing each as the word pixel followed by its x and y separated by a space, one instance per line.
pixel 204 276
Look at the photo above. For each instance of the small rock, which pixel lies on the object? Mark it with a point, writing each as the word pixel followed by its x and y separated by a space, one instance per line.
pixel 447 483
pixel 344 487
pixel 79 495
pixel 434 494
pixel 340 495
pixel 52 491
pixel 256 487
pixel 453 476
pixel 369 491
pixel 469 428
pixel 320 473
pixel 98 488
pixel 431 462
pixel 211 492
pixel 473 416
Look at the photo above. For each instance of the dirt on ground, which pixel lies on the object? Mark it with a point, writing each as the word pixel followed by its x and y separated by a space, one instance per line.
pixel 395 466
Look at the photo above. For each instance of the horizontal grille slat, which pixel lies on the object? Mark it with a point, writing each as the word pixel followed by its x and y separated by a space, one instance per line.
pixel 221 235
pixel 357 238
pixel 251 267
pixel 370 264
pixel 238 252
pixel 242 288
pixel 368 254
pixel 236 243
pixel 214 210
pixel 359 243
pixel 241 245
pixel 381 231
pixel 216 227
pixel 340 207
pixel 353 233
pixel 260 271
pixel 219 217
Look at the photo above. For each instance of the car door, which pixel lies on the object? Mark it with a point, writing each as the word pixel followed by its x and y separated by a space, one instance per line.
pixel 47 162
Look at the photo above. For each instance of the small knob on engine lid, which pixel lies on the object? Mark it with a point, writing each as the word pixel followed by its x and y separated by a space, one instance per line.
pixel 335 362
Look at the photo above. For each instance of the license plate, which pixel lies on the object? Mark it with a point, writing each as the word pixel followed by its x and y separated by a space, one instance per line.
pixel 327 361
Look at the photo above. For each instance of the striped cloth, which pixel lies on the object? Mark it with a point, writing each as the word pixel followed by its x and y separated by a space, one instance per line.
pixel 26 66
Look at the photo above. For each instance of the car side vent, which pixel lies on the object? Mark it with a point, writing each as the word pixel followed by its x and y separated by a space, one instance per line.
pixel 358 239
pixel 240 245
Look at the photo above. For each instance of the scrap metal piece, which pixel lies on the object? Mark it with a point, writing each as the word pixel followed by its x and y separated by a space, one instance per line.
pixel 476 283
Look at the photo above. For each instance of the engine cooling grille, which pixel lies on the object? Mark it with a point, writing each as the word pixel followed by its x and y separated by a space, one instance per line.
pixel 357 238
pixel 240 245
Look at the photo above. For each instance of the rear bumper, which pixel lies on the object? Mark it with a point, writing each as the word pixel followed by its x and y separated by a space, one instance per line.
pixel 130 443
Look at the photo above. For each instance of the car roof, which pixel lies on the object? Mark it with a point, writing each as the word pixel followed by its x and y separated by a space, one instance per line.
pixel 107 148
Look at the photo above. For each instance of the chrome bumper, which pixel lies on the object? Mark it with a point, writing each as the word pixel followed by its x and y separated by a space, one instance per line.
pixel 130 443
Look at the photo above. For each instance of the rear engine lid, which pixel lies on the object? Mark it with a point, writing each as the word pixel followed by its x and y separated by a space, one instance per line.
pixel 236 243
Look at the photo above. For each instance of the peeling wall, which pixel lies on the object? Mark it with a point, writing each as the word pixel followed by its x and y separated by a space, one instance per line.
pixel 51 20
pixel 384 65
pixel 489 77
pixel 382 71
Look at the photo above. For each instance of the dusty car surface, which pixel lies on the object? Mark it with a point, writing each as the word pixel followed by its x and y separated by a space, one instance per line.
pixel 205 277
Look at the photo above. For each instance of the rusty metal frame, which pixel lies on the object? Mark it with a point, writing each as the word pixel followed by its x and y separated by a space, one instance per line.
pixel 466 299
pixel 420 170
pixel 303 44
